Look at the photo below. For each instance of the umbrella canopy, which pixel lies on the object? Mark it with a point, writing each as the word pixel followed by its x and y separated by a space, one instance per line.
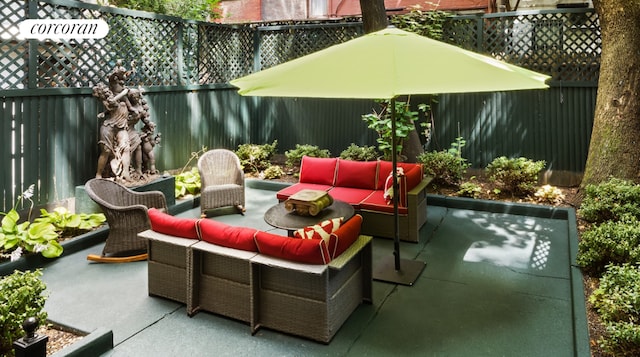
pixel 386 64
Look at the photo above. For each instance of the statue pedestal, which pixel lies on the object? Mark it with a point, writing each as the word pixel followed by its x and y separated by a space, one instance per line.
pixel 165 184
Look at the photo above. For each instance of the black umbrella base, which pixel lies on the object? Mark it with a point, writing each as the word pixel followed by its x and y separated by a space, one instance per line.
pixel 385 270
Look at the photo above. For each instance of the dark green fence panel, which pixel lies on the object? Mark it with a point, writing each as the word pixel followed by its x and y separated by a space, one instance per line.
pixel 552 125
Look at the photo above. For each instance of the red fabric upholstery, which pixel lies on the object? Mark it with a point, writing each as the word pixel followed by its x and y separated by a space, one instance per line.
pixel 286 192
pixel 357 174
pixel 376 202
pixel 345 236
pixel 318 170
pixel 173 226
pixel 309 251
pixel 227 236
pixel 352 196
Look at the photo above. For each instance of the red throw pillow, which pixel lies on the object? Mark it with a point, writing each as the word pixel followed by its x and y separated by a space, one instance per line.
pixel 318 170
pixel 344 237
pixel 173 226
pixel 309 251
pixel 228 236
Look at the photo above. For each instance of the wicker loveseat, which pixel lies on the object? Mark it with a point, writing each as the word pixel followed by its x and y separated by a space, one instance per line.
pixel 362 184
pixel 298 286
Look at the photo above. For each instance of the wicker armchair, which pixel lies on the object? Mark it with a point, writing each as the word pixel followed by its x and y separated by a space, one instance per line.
pixel 222 180
pixel 126 213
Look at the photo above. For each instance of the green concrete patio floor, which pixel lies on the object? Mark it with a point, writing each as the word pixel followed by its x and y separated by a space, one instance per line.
pixel 495 284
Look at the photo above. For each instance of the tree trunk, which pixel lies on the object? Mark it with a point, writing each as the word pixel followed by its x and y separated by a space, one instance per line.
pixel 615 140
pixel 374 15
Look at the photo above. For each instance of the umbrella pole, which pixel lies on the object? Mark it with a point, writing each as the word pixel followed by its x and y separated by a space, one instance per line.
pixel 387 270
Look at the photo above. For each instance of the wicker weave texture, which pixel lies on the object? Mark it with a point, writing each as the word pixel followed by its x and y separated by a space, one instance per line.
pixel 167 271
pixel 316 319
pixel 222 180
pixel 221 283
pixel 126 213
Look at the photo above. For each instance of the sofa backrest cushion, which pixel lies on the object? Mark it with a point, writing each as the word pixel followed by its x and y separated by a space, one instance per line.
pixel 318 170
pixel 173 226
pixel 344 237
pixel 309 251
pixel 357 174
pixel 228 236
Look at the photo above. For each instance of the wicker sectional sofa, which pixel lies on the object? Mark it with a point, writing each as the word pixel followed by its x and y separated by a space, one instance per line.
pixel 363 184
pixel 263 287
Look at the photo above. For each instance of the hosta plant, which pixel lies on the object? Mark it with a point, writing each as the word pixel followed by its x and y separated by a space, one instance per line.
pixel 18 237
pixel 70 224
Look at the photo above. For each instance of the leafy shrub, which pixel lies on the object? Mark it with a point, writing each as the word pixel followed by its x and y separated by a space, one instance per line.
pixel 254 157
pixel 516 175
pixel 610 200
pixel 609 243
pixel 69 224
pixel 294 156
pixel 21 296
pixel 273 172
pixel 617 300
pixel 446 167
pixel 622 339
pixel 359 153
pixel 188 182
pixel 470 189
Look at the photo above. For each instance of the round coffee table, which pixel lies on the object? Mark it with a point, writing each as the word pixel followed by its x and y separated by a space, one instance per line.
pixel 278 216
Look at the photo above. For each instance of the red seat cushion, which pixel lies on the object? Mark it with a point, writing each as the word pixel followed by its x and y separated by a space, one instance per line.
pixel 352 196
pixel 227 236
pixel 286 192
pixel 357 174
pixel 344 237
pixel 376 202
pixel 317 170
pixel 309 251
pixel 173 226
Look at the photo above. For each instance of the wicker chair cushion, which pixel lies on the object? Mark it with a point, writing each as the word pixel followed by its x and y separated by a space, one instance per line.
pixel 170 225
pixel 318 170
pixel 358 174
pixel 321 230
pixel 310 251
pixel 344 237
pixel 227 236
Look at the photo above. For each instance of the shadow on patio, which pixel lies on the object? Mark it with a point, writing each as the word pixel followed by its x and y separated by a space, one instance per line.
pixel 499 281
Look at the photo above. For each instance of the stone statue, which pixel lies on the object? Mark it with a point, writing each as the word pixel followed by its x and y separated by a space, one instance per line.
pixel 127 151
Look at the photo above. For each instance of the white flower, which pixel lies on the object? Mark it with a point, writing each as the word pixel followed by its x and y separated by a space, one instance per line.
pixel 16 254
pixel 29 192
pixel 39 248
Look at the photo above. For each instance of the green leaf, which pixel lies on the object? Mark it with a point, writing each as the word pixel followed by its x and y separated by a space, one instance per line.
pixel 53 250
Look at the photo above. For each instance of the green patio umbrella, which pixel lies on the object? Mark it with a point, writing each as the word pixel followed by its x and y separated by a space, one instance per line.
pixel 384 65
